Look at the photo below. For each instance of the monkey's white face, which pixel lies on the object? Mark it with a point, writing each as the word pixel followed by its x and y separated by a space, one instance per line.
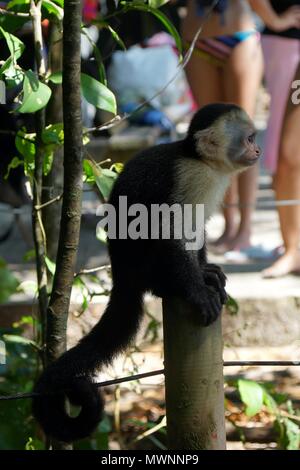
pixel 229 144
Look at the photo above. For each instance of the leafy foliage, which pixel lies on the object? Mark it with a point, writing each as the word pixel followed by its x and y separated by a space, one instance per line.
pixel 98 94
pixel 147 8
pixel 104 178
pixel 35 94
pixel 16 423
pixel 256 396
pixel 8 282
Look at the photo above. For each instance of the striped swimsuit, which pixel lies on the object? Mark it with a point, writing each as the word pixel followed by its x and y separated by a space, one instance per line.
pixel 217 50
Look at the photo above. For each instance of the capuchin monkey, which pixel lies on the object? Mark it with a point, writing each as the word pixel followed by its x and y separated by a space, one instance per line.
pixel 196 170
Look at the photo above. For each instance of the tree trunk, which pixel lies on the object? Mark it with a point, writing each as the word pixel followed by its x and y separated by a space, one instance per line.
pixel 194 380
pixel 58 310
pixel 53 182
pixel 37 223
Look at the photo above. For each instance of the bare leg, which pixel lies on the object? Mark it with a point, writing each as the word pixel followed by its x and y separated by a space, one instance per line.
pixel 288 187
pixel 205 81
pixel 231 214
pixel 243 74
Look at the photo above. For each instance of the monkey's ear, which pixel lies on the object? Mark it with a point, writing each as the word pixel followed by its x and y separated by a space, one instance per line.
pixel 207 142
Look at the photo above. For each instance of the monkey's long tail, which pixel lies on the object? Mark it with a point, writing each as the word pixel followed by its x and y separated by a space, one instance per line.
pixel 71 375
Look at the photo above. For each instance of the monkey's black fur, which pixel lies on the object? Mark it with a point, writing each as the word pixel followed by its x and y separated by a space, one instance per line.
pixel 162 267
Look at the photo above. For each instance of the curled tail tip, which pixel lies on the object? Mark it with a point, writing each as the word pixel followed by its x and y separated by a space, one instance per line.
pixel 49 409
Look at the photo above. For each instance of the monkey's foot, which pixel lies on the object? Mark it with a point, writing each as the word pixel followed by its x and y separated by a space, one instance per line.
pixel 289 263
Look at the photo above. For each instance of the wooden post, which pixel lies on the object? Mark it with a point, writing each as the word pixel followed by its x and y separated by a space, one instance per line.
pixel 194 380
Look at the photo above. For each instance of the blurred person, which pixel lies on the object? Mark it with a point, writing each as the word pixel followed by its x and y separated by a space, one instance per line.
pixel 281 47
pixel 227 65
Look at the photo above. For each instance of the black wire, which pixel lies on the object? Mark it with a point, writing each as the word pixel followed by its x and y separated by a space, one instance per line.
pixel 130 378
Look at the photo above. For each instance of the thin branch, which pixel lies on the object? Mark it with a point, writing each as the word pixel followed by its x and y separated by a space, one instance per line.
pixel 285 414
pixel 92 270
pixel 15 13
pixel 107 125
pixel 37 223
pixel 48 203
pixel 162 424
pixel 40 52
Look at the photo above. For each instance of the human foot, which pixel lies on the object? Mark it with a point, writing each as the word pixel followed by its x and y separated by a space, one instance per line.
pixel 286 264
pixel 222 244
pixel 240 242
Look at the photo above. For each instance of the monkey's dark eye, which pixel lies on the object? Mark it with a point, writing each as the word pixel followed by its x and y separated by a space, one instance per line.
pixel 251 138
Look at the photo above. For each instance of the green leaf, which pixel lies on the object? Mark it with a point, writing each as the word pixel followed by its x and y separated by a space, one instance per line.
pixel 53 9
pixel 114 34
pixel 269 402
pixel 88 172
pixel 252 395
pixel 26 146
pixel 51 266
pixel 15 162
pixel 161 16
pixel 291 435
pixel 11 23
pixel 101 68
pixel 13 75
pixel 98 94
pixel 105 181
pixel 56 78
pixel 35 94
pixel 15 46
pixel 6 66
pixel 34 444
pixel 98 57
pixel 8 282
pixel 20 340
pixel 117 167
pixel 48 159
pixel 25 320
pixel 14 3
pixel 84 304
pixel 53 134
pixel 29 255
pixel 59 2
pixel 157 3
pixel 105 425
pixel 103 178
pixel 232 306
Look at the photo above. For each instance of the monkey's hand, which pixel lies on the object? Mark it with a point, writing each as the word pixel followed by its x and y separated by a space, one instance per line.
pixel 208 305
pixel 211 294
pixel 214 277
